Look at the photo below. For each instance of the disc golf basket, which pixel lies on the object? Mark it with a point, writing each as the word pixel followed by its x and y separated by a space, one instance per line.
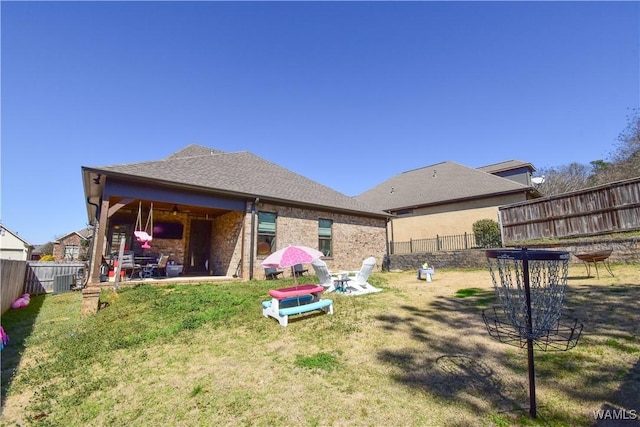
pixel 530 286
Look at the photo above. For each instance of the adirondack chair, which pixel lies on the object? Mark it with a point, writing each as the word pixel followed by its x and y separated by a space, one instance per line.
pixel 322 272
pixel 359 284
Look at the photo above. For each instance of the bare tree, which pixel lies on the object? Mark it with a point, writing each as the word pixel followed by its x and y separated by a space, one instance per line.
pixel 624 164
pixel 563 179
pixel 627 156
pixel 47 248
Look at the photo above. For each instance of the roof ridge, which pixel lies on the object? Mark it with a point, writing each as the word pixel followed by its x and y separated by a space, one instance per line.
pixel 428 166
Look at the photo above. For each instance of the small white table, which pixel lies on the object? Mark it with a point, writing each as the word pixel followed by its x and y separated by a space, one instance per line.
pixel 173 270
pixel 427 272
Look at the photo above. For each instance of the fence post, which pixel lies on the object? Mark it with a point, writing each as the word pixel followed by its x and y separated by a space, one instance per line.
pixel 466 245
pixel 410 246
pixel 437 242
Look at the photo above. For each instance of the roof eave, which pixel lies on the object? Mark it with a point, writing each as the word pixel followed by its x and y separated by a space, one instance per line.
pixel 237 194
pixel 461 199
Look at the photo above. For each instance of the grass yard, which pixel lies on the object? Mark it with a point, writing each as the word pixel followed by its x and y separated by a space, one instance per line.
pixel 416 354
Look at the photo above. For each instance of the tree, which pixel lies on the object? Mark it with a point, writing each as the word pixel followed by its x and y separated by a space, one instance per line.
pixel 487 233
pixel 47 249
pixel 624 163
pixel 627 156
pixel 564 179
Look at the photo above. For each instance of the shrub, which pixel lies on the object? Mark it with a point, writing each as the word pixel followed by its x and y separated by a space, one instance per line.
pixel 487 233
pixel 46 258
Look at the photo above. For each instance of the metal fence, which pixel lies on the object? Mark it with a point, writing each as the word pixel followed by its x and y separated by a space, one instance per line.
pixel 439 243
pixel 41 276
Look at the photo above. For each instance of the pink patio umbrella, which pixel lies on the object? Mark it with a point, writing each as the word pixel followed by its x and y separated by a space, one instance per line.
pixel 290 256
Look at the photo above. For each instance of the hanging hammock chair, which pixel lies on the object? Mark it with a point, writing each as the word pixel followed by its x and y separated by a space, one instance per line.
pixel 146 235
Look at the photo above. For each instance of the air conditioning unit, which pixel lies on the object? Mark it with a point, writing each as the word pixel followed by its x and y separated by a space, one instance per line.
pixel 63 283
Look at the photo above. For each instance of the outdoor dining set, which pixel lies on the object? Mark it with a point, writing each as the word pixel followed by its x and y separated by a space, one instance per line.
pixel 304 298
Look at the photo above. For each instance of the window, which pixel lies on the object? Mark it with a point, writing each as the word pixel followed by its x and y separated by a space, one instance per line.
pixel 71 252
pixel 266 233
pixel 324 236
pixel 119 232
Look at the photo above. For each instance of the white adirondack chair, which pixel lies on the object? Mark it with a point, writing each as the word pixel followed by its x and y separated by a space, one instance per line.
pixel 359 284
pixel 323 274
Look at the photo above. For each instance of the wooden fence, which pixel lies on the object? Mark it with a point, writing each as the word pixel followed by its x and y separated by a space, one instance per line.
pixel 12 281
pixel 40 276
pixel 438 243
pixel 607 209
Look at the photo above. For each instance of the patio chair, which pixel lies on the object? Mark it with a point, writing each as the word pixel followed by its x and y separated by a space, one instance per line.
pixel 359 285
pixel 324 277
pixel 299 270
pixel 271 273
pixel 156 270
pixel 129 266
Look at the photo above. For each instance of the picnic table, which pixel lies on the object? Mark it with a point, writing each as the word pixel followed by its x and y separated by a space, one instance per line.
pixel 295 300
pixel 593 258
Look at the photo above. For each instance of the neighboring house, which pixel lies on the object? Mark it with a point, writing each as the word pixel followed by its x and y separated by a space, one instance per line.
pixel 515 170
pixel 447 198
pixel 73 246
pixel 13 246
pixel 222 213
pixel 36 253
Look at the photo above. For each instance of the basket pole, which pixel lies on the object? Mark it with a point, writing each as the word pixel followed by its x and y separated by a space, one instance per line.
pixel 532 376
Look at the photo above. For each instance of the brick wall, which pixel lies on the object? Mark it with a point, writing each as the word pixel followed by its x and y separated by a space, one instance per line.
pixel 353 238
pixel 70 240
pixel 226 244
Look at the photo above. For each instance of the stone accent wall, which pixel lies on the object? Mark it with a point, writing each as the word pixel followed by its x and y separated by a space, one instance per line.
pixel 354 238
pixel 625 251
pixel 226 244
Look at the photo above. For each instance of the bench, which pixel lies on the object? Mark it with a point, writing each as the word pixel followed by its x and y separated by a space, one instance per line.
pixel 325 305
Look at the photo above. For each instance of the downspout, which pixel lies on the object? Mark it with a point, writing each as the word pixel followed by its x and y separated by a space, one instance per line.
pixel 253 236
pixel 386 265
pixel 392 238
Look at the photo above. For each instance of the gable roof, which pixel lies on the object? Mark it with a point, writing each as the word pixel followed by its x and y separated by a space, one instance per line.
pixel 239 174
pixel 85 233
pixel 436 184
pixel 4 229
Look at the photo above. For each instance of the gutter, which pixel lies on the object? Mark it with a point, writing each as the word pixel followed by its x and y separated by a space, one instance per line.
pixel 234 194
pixel 253 236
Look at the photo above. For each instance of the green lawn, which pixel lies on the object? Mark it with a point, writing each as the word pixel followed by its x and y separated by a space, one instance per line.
pixel 415 354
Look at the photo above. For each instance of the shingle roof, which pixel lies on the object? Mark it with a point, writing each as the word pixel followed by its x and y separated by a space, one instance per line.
pixel 241 173
pixel 439 183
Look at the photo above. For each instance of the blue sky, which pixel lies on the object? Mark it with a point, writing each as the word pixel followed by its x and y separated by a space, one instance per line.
pixel 345 93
